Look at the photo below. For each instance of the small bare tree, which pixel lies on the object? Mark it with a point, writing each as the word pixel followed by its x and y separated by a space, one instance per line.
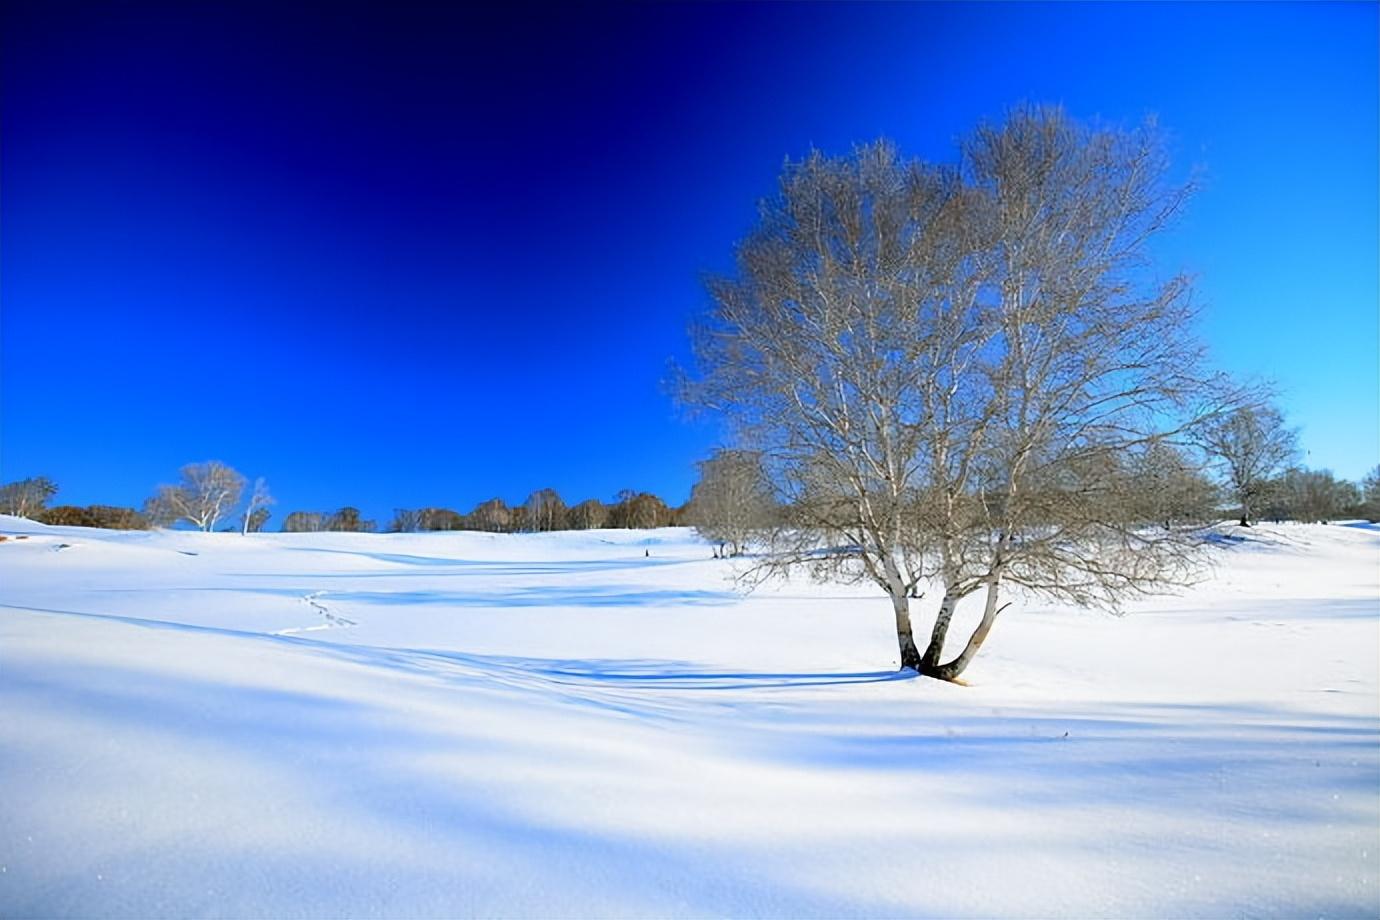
pixel 348 520
pixel 589 514
pixel 1314 496
pixel 945 368
pixel 27 498
pixel 544 510
pixel 306 522
pixel 1250 447
pixel 493 516
pixel 1370 495
pixel 256 511
pixel 206 495
pixel 1171 487
pixel 638 511
pixel 732 500
pixel 405 520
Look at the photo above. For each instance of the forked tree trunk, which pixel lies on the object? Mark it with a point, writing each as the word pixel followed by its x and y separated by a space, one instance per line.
pixel 989 616
pixel 910 655
pixel 930 661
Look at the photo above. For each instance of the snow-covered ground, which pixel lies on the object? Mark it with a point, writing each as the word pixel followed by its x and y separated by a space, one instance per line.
pixel 599 724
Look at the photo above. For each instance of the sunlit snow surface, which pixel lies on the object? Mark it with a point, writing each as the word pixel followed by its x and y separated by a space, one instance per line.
pixel 600 724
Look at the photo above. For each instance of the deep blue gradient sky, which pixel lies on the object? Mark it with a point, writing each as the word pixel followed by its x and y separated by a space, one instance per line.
pixel 402 258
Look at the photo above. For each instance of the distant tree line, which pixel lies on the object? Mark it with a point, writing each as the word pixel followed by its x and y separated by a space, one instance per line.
pixel 545 510
pixel 732 502
pixel 1241 466
pixel 214 496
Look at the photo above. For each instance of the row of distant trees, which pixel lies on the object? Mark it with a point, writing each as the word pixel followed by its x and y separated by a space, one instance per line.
pixel 732 505
pixel 1243 464
pixel 214 496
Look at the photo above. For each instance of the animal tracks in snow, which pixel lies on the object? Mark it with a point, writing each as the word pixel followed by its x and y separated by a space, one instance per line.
pixel 332 620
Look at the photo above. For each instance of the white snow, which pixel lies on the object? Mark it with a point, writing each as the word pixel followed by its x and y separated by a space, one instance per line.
pixel 600 724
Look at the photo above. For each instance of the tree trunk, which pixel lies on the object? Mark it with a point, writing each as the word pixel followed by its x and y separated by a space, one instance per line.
pixel 910 655
pixel 930 661
pixel 989 616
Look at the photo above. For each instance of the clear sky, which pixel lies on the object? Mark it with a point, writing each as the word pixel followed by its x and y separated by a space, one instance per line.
pixel 395 258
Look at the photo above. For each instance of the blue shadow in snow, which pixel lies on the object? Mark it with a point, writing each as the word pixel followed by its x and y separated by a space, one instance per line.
pixel 556 596
pixel 476 668
pixel 495 566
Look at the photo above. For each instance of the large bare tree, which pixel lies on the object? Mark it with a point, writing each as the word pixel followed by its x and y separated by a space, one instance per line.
pixel 207 494
pixel 947 368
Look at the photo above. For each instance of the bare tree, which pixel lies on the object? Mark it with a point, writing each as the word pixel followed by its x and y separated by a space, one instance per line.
pixel 441 519
pixel 493 515
pixel 1315 496
pixel 1370 495
pixel 944 369
pixel 545 510
pixel 27 498
pixel 589 514
pixel 305 522
pixel 113 517
pixel 68 516
pixel 348 520
pixel 256 511
pixel 207 494
pixel 405 520
pixel 1171 488
pixel 638 511
pixel 732 500
pixel 1250 446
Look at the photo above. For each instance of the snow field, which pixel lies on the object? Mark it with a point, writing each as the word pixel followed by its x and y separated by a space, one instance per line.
pixel 559 725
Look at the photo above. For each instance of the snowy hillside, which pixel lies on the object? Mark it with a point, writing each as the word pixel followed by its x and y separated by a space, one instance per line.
pixel 600 724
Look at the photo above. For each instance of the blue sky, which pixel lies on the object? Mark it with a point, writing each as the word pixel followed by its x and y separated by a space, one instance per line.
pixel 402 257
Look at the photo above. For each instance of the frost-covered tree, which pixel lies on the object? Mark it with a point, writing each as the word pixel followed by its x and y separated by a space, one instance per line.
pixel 945 367
pixel 732 500
pixel 207 494
pixel 27 498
